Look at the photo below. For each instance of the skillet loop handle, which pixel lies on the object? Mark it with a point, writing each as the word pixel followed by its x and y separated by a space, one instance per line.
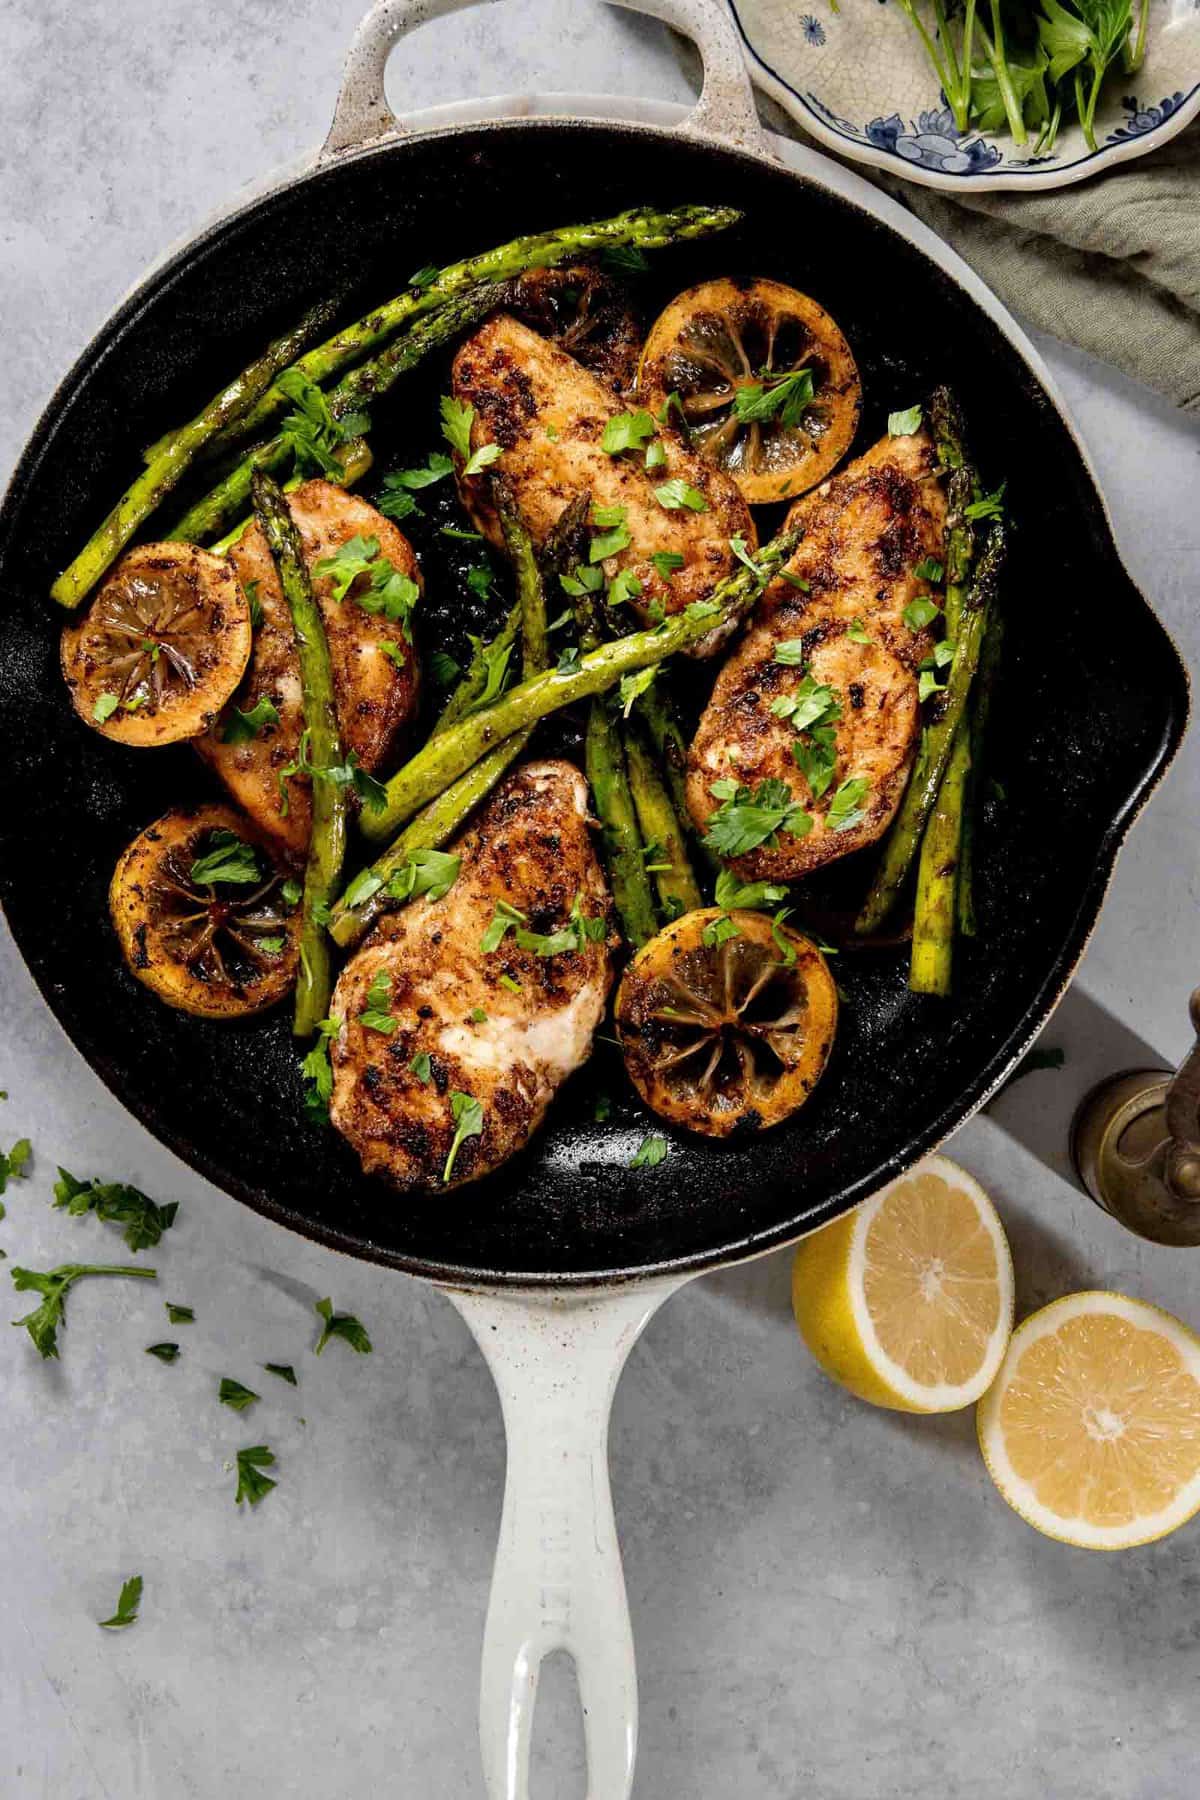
pixel 1182 1166
pixel 725 111
pixel 558 1582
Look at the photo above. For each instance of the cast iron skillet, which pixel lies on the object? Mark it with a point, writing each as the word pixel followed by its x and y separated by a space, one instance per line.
pixel 1090 707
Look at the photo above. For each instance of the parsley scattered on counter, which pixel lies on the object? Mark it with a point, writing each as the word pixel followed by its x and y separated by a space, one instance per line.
pixel 344 1326
pixel 284 1371
pixel 14 1163
pixel 127 1606
pixel 252 1484
pixel 231 1393
pixel 117 1203
pixel 167 1353
pixel 179 1315
pixel 54 1286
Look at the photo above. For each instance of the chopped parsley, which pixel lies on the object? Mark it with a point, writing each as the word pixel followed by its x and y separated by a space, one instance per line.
pixel 585 580
pixel 14 1163
pixel 240 727
pixel 344 1326
pixel 167 1353
pixel 422 1067
pixel 477 1016
pixel 672 495
pixel 666 562
pixel 624 259
pixel 394 653
pixel 250 589
pixel 786 395
pixel 231 1393
pixel 229 859
pixel 623 586
pixel 791 652
pixel 388 593
pixel 106 705
pixel 928 685
pixel 784 945
pixel 989 506
pixel 252 1484
pixel 627 431
pixel 813 712
pixel 794 580
pixel 906 423
pixel 857 632
pixel 656 456
pixel 311 429
pixel 428 874
pixel 317 1073
pixel 495 658
pixel 375 1016
pixel 845 809
pixel 503 920
pixel 128 1602
pixel 180 1315
pixel 443 668
pixel 54 1286
pixel 117 1204
pixel 633 685
pixel 613 534
pixel 930 569
pixel 919 613
pixel 457 419
pixel 511 983
pixel 718 931
pixel 747 896
pixel 650 1152
pixel 468 1123
pixel 284 1371
pixel 745 820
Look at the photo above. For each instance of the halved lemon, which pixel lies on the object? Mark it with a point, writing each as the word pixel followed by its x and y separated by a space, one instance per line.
pixel 1092 1430
pixel 764 382
pixel 908 1300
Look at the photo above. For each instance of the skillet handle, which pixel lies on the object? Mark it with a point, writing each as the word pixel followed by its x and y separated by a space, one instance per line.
pixel 725 111
pixel 558 1583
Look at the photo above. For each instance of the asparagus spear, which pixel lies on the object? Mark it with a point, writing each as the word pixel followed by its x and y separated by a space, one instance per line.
pixel 937 877
pixel 608 777
pixel 643 227
pixel 355 459
pixel 162 474
pixel 656 711
pixel 981 704
pixel 937 739
pixel 327 845
pixel 446 756
pixel 213 512
pixel 678 891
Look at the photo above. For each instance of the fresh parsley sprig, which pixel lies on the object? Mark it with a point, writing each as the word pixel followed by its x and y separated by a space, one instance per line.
pixel 54 1285
pixel 117 1203
pixel 344 1326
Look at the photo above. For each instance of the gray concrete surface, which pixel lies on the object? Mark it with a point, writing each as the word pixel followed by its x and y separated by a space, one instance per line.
pixel 828 1601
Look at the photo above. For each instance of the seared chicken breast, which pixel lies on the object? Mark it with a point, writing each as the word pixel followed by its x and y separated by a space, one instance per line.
pixel 499 1027
pixel 868 530
pixel 548 415
pixel 376 695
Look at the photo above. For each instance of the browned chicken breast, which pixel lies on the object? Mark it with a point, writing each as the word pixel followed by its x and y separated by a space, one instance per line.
pixel 866 531
pixel 499 1027
pixel 839 655
pixel 548 415
pixel 376 687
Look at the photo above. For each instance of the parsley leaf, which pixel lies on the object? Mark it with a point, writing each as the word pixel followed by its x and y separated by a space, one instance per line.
pixel 180 1315
pixel 584 581
pixel 252 1485
pixel 395 654
pixel 857 632
pixel 350 560
pixel 991 506
pixel 627 431
pixel 650 1152
pixel 576 934
pixel 428 873
pixel 127 1606
pixel 482 459
pixel 106 705
pixel 633 685
pixel 928 685
pixel 375 1016
pixel 736 895
pixel 784 945
pixel 14 1163
pixel 503 920
pixel 424 277
pixel 623 586
pixel 117 1204
pixel 317 1074
pixel 744 820
pixel 905 424
pixel 250 589
pixel 457 418
pixel 468 1123
pixel 791 652
pixel 422 1067
pixel 929 569
pixel 678 493
pixel 311 429
pixel 666 562
pixel 613 535
pixel 167 1353
pixel 240 727
pixel 231 1393
pixel 344 1326
pixel 845 809
pixel 718 931
pixel 284 1371
pixel 228 858
pixel 787 395
pixel 54 1286
pixel 624 259
pixel 919 613
pixel 444 669
pixel 496 658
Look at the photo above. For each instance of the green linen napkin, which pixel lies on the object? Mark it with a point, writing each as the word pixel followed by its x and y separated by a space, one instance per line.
pixel 1111 264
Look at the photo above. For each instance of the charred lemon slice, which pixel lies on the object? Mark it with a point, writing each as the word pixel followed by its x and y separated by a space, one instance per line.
pixel 586 314
pixel 161 648
pixel 765 382
pixel 202 916
pixel 726 1021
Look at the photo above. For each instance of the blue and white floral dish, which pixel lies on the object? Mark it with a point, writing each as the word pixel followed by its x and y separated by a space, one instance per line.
pixel 859 81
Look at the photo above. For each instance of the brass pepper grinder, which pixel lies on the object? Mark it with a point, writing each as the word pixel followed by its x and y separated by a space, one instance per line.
pixel 1135 1143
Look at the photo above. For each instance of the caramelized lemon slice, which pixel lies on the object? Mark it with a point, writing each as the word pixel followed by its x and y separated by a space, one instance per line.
pixel 908 1300
pixel 162 646
pixel 202 917
pixel 726 1021
pixel 763 380
pixel 1092 1429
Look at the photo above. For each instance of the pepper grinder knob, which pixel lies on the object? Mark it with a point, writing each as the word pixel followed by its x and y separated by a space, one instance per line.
pixel 1135 1142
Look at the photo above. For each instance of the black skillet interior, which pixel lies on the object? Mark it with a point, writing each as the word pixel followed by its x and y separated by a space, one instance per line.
pixel 1091 704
